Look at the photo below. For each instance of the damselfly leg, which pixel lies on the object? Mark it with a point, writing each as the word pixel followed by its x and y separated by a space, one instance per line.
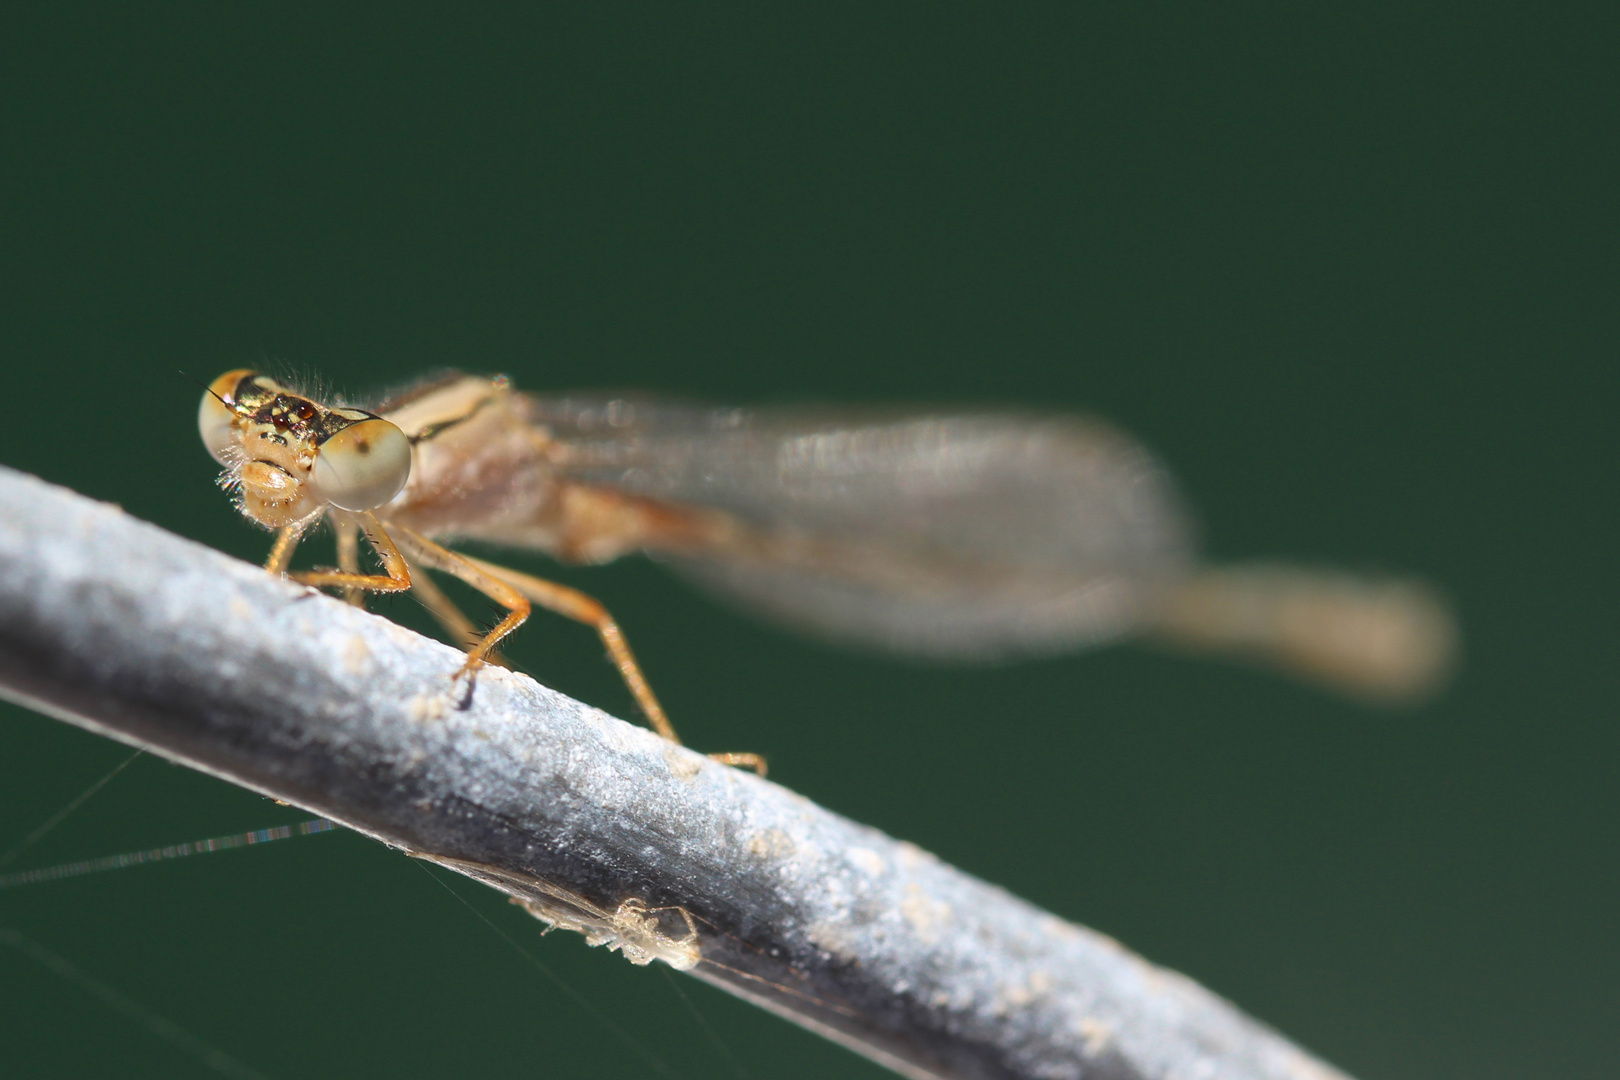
pixel 461 629
pixel 512 589
pixel 583 608
pixel 347 536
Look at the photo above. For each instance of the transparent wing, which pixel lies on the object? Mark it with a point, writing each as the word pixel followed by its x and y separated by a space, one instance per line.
pixel 928 533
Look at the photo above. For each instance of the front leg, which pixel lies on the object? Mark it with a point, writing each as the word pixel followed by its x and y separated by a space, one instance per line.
pixel 395 578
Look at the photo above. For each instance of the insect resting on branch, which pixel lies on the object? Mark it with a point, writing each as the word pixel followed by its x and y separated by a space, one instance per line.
pixel 931 534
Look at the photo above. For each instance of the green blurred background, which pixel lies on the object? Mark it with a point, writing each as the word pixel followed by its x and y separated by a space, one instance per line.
pixel 1352 272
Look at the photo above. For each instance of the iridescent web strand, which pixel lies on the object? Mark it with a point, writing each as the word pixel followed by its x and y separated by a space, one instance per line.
pixel 174 851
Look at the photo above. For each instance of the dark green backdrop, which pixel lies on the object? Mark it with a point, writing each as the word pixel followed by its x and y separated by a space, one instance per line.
pixel 1352 273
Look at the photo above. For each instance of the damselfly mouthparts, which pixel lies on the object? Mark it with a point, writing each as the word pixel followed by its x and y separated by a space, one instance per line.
pixel 951 536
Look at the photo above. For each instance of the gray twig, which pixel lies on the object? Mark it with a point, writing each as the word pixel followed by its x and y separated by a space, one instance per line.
pixel 596 825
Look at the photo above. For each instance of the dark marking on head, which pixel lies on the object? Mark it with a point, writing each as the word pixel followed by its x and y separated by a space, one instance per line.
pixel 253 395
pixel 234 395
pixel 329 423
pixel 261 400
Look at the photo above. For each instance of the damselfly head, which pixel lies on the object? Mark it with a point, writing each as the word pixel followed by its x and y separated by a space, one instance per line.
pixel 288 456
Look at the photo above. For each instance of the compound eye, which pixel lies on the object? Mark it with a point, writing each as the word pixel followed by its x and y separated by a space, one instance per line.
pixel 362 466
pixel 214 415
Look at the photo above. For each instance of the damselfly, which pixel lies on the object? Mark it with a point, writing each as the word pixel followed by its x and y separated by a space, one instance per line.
pixel 932 534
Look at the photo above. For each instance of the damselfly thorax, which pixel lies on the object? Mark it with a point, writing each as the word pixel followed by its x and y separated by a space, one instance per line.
pixel 931 534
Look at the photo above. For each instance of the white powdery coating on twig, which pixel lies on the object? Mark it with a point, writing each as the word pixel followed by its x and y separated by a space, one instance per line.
pixel 596 825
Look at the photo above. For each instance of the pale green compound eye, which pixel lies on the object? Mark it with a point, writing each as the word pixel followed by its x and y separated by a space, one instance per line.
pixel 362 466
